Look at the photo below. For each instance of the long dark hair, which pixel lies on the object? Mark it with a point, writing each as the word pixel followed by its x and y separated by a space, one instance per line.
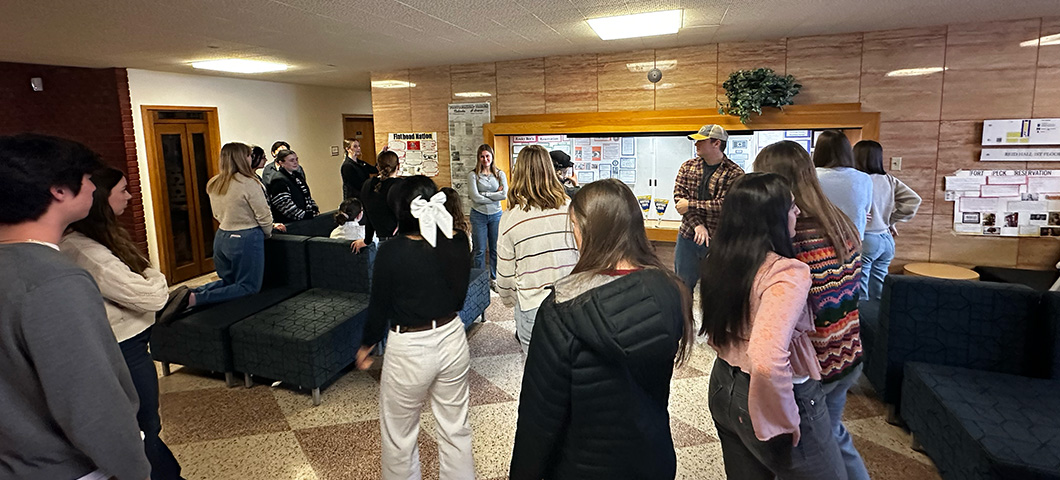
pixel 790 160
pixel 388 163
pixel 754 222
pixel 612 230
pixel 868 157
pixel 400 197
pixel 832 149
pixel 102 225
pixel 455 207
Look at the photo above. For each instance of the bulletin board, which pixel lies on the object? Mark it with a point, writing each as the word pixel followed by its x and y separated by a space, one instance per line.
pixel 418 152
pixel 1007 203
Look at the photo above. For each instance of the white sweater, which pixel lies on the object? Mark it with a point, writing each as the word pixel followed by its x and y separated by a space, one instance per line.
pixel 535 249
pixel 131 299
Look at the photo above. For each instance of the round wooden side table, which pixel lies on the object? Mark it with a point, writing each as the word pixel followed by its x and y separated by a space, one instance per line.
pixel 940 270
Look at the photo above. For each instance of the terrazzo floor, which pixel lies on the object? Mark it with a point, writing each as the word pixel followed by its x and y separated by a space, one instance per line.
pixel 274 432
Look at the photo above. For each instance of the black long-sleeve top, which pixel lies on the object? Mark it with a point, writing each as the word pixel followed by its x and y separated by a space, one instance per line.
pixel 414 283
pixel 354 173
pixel 378 217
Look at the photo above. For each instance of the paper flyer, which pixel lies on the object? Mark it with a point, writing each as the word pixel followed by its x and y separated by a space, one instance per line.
pixel 418 152
pixel 465 136
pixel 1005 203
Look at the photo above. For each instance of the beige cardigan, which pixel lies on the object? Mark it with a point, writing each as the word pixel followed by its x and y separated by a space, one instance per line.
pixel 131 299
pixel 243 206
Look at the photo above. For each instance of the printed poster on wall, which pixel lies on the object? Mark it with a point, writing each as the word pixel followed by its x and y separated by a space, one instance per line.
pixel 418 152
pixel 465 136
pixel 1008 203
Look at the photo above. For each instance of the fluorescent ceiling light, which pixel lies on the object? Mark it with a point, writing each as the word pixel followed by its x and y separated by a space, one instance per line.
pixel 472 94
pixel 645 66
pixel 238 65
pixel 1043 41
pixel 915 72
pixel 637 25
pixel 392 84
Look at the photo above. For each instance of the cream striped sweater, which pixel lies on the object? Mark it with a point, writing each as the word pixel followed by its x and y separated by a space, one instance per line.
pixel 535 249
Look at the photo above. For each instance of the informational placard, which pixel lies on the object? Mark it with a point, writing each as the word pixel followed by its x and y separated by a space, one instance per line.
pixel 1028 131
pixel 1010 203
pixel 418 152
pixel 1028 154
pixel 465 136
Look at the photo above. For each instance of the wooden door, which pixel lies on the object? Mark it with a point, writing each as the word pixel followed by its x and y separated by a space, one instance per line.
pixel 183 209
pixel 363 129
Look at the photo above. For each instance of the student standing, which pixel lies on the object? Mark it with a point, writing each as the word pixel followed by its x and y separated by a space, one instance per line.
pixel 354 171
pixel 237 198
pixel 379 218
pixel 827 242
pixel 536 246
pixel 699 190
pixel 765 392
pixel 487 186
pixel 892 202
pixel 133 292
pixel 419 283
pixel 845 186
pixel 597 379
pixel 289 193
pixel 67 403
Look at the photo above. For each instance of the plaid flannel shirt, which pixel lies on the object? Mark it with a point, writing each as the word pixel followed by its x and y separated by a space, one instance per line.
pixel 705 212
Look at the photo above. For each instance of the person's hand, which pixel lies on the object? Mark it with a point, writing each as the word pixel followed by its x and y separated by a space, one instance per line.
pixel 357 245
pixel 364 357
pixel 573 180
pixel 702 237
pixel 279 227
pixel 681 206
pixel 894 231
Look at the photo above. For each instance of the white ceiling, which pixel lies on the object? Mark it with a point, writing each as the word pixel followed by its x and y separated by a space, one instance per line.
pixel 337 42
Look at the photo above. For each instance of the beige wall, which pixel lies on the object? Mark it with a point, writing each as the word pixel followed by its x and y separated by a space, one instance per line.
pixel 934 121
pixel 258 113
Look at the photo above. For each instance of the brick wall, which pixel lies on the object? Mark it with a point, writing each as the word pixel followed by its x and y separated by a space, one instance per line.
pixel 88 105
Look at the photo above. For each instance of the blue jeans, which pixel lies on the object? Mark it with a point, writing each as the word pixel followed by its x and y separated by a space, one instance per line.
pixel 687 255
pixel 835 395
pixel 877 251
pixel 164 465
pixel 484 232
pixel 748 458
pixel 239 258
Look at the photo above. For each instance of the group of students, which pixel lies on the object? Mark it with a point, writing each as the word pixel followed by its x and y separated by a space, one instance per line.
pixel 603 321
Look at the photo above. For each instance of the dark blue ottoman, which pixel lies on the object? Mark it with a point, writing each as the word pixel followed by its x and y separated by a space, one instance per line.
pixel 306 340
pixel 478 297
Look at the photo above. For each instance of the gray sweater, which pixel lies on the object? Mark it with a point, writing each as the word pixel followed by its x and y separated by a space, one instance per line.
pixel 850 190
pixel 487 191
pixel 67 403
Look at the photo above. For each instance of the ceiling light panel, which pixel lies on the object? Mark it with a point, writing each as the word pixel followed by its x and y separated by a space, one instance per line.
pixel 238 65
pixel 650 24
pixel 915 72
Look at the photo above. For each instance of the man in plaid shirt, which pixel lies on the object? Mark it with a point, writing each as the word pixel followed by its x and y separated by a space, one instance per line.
pixel 699 189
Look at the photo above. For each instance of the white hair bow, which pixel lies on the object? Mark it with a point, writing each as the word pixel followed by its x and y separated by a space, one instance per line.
pixel 432 214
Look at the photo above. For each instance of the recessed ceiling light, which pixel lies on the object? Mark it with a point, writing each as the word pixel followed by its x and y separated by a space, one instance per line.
pixel 645 66
pixel 1043 41
pixel 392 84
pixel 637 25
pixel 472 94
pixel 914 72
pixel 239 65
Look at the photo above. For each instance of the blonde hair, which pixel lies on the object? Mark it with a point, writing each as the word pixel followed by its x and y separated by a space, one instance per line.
pixel 233 162
pixel 485 147
pixel 534 182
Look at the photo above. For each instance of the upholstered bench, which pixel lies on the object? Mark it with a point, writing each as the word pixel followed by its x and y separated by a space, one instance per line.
pixel 304 341
pixel 200 338
pixel 980 425
pixel 478 297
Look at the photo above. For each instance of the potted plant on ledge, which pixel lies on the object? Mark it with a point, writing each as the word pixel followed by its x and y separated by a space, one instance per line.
pixel 750 90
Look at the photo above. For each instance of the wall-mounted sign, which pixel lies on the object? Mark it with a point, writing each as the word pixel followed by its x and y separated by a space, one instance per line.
pixel 1028 131
pixel 418 152
pixel 1010 203
pixel 1029 154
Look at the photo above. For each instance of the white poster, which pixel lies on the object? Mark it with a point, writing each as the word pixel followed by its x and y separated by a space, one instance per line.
pixel 1005 203
pixel 465 136
pixel 418 152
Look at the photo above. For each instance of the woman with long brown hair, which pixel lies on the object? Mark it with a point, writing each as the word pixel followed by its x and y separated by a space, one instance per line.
pixel 487 186
pixel 829 243
pixel 133 292
pixel 379 218
pixel 597 379
pixel 237 198
pixel 845 186
pixel 536 245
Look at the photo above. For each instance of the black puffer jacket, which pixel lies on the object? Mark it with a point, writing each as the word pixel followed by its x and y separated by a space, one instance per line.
pixel 597 380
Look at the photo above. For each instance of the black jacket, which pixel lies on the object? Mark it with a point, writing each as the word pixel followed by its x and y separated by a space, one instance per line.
pixel 354 173
pixel 597 381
